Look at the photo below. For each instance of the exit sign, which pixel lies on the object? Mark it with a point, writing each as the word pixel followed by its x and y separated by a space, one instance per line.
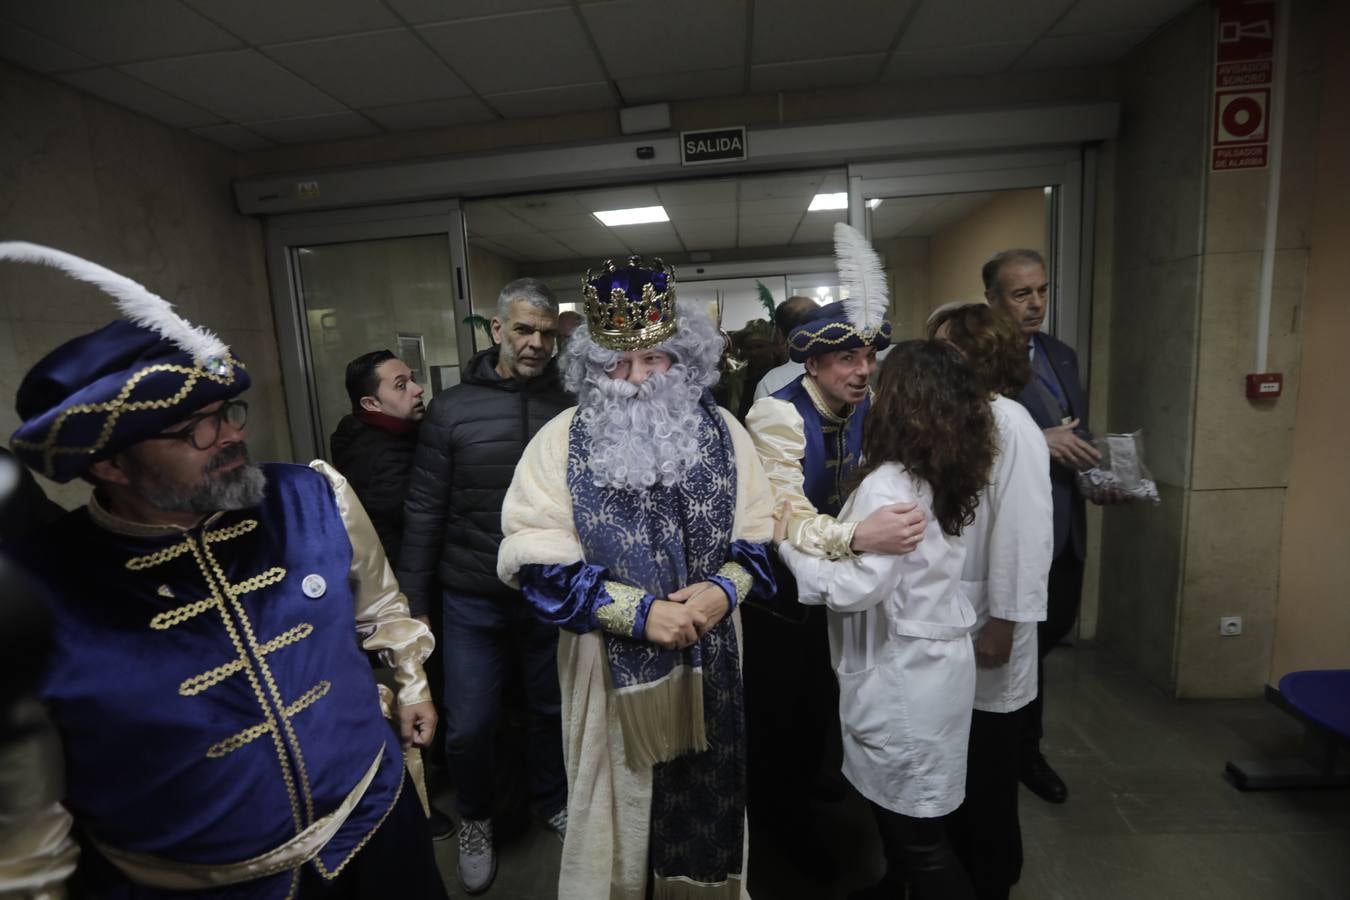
pixel 716 145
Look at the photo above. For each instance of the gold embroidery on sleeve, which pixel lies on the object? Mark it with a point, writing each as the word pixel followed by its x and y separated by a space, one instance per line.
pixel 740 579
pixel 620 615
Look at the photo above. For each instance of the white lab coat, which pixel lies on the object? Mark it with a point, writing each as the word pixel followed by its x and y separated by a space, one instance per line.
pixel 1008 553
pixel 900 640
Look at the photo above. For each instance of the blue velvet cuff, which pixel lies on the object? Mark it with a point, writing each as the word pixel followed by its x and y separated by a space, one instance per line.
pixel 754 558
pixel 572 596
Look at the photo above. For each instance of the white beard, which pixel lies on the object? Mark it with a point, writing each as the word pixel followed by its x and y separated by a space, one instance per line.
pixel 641 435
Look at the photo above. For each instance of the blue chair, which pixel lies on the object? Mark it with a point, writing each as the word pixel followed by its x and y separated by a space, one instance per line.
pixel 1320 699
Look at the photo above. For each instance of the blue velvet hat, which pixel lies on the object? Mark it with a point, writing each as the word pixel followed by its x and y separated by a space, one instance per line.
pixel 630 307
pixel 104 391
pixel 860 319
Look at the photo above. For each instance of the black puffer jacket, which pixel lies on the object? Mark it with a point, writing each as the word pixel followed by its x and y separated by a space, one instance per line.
pixel 377 464
pixel 471 439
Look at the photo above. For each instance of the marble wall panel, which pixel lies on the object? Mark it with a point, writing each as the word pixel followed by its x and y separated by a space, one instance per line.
pixel 1232 566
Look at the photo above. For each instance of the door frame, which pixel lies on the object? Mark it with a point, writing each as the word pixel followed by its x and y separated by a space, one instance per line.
pixel 285 234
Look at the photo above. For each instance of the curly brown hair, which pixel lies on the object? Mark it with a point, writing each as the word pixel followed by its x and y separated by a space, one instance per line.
pixel 931 415
pixel 991 343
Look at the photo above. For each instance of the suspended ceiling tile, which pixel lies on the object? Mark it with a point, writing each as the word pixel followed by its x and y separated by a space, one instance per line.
pixel 315 128
pixel 699 211
pixel 775 207
pixel 503 54
pixel 423 11
pixel 979 22
pixel 431 114
pixel 691 35
pixel 767 187
pixel 763 238
pixel 689 193
pixel 655 238
pixel 1080 49
pixel 599 243
pixel 1087 16
pixel 377 69
pixel 114 32
pixel 682 85
pixel 787 30
pixel 952 62
pixel 707 234
pixel 32 51
pixel 125 91
pixel 487 219
pixel 619 198
pixel 534 246
pixel 274 21
pixel 554 101
pixel 243 86
pixel 492 247
pixel 236 137
pixel 815 74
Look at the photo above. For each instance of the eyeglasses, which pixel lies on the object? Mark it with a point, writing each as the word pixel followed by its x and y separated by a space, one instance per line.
pixel 202 431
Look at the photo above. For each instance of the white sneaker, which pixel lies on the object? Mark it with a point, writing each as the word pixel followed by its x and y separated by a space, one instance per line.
pixel 477 859
pixel 557 823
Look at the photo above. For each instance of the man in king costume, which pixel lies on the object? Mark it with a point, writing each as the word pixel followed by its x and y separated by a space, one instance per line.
pixel 222 731
pixel 637 523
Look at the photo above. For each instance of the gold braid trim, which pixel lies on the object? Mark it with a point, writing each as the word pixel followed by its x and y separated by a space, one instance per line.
pixel 119 405
pixel 234 531
pixel 804 340
pixel 330 874
pixel 201 555
pixel 740 579
pixel 308 698
pixel 158 558
pixel 620 615
pixel 234 592
pixel 288 637
pixel 234 742
pixel 177 616
pixel 270 577
pixel 198 683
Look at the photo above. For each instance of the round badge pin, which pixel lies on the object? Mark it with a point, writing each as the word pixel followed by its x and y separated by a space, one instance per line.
pixel 314 586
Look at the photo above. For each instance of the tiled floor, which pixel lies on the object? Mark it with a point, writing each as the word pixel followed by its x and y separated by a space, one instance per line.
pixel 1149 816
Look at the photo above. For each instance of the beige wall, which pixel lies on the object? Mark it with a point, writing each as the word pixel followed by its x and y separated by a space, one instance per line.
pixel 907 268
pixel 1312 618
pixel 147 201
pixel 1185 271
pixel 488 274
pixel 1011 219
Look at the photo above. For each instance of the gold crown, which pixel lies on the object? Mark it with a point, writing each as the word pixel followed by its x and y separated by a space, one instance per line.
pixel 630 307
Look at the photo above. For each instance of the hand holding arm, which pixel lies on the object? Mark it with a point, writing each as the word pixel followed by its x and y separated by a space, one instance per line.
pixel 895 530
pixel 1068 449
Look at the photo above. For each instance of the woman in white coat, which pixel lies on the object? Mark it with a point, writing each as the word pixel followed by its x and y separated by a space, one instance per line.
pixel 1008 554
pixel 900 626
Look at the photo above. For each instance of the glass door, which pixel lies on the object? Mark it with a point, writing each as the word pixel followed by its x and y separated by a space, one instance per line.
pixel 345 284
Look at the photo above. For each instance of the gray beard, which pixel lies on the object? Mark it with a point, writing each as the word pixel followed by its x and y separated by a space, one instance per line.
pixel 241 488
pixel 641 435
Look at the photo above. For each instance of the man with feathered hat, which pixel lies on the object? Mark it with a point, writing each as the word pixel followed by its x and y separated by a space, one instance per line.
pixel 808 436
pixel 636 522
pixel 222 730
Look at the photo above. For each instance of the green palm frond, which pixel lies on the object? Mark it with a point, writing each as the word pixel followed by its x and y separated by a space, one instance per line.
pixel 766 298
pixel 483 322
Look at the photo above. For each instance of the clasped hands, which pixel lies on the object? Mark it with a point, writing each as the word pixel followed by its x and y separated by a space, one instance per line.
pixel 684 617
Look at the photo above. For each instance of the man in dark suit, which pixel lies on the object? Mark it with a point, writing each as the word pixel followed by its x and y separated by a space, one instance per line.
pixel 1015 282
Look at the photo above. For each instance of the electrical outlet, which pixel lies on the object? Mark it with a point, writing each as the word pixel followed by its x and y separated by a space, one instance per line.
pixel 1230 625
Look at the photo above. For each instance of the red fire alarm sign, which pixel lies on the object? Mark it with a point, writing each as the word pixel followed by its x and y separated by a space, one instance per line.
pixel 1264 387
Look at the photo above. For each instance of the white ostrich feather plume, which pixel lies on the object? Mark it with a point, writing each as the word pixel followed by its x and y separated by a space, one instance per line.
pixel 134 300
pixel 862 273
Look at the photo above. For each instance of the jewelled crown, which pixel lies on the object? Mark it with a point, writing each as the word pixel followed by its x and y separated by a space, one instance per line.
pixel 632 306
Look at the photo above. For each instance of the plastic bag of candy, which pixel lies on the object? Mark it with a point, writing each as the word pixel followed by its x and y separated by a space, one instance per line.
pixel 1121 470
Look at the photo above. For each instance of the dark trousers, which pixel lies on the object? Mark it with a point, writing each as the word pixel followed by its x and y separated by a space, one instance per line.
pixel 920 849
pixel 1064 594
pixel 985 830
pixel 791 712
pixel 398 858
pixel 483 636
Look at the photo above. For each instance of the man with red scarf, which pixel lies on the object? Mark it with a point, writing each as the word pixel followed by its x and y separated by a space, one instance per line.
pixel 373 447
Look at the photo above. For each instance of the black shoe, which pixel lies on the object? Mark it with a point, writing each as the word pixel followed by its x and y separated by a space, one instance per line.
pixel 1042 780
pixel 442 826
